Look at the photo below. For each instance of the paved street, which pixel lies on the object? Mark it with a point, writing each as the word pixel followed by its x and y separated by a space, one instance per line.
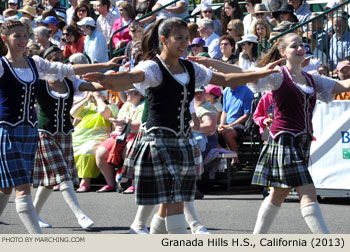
pixel 221 214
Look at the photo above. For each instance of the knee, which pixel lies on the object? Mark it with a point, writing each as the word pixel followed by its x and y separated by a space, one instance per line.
pixel 101 154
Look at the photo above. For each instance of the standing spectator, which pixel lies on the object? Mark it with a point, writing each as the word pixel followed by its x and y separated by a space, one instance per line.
pixel 206 31
pixel 340 41
pixel 58 8
pixel 231 11
pixel 73 41
pixel 42 37
pixel 120 39
pixel 207 12
pixel 248 58
pixel 70 11
pixel 236 109
pixel 104 22
pixel 95 45
pixel 227 46
pixel 249 19
pixel 55 33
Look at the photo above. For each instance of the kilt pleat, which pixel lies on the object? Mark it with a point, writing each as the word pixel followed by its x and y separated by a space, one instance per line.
pixel 54 160
pixel 283 162
pixel 18 146
pixel 164 166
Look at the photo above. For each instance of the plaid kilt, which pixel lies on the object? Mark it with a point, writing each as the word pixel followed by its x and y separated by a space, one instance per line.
pixel 18 146
pixel 283 162
pixel 165 167
pixel 54 160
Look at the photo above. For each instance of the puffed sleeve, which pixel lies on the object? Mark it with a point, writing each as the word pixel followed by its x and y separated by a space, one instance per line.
pixel 53 70
pixel 324 86
pixel 268 83
pixel 153 74
pixel 202 74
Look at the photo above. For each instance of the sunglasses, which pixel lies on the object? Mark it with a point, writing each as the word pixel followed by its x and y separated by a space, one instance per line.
pixel 245 43
pixel 207 11
pixel 65 34
pixel 259 14
pixel 82 10
pixel 196 45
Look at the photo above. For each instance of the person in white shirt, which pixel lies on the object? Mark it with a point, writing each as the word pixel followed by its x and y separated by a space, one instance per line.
pixel 55 33
pixel 206 31
pixel 179 9
pixel 106 19
pixel 73 4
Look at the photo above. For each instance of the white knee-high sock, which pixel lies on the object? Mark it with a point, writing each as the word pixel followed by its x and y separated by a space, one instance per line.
pixel 42 194
pixel 176 224
pixel 4 198
pixel 27 214
pixel 191 216
pixel 158 225
pixel 313 217
pixel 266 216
pixel 142 215
pixel 67 190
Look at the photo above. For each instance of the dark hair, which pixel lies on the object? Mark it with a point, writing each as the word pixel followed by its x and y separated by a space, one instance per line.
pixel 50 50
pixel 151 45
pixel 105 2
pixel 75 17
pixel 253 2
pixel 237 14
pixel 128 8
pixel 5 29
pixel 271 56
pixel 229 38
pixel 74 31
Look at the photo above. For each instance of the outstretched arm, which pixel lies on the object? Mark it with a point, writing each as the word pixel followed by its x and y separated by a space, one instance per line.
pixel 85 68
pixel 216 64
pixel 341 86
pixel 116 82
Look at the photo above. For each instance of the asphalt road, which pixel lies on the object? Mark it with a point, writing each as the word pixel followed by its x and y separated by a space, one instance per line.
pixel 233 213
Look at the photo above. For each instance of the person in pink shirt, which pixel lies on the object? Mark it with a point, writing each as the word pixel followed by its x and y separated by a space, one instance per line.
pixel 262 112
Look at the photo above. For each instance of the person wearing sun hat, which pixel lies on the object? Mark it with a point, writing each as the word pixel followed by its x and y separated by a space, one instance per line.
pixel 285 13
pixel 198 46
pixel 301 9
pixel 249 56
pixel 29 12
pixel 206 11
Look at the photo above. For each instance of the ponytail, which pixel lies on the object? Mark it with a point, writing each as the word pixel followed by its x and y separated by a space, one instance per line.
pixel 271 56
pixel 150 41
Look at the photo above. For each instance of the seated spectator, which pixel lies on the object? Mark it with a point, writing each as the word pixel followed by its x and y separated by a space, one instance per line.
pixel 323 70
pixel 310 64
pixel 104 22
pixel 51 12
pixel 55 33
pixel 235 28
pixel 236 110
pixel 29 12
pixel 10 14
pixel 95 45
pixel 227 47
pixel 261 29
pixel 14 5
pixel 120 39
pixel 231 11
pixel 283 26
pixel 81 11
pixel 73 41
pixel 90 132
pixel 131 110
pixel 212 95
pixel 249 19
pixel 198 46
pixel 301 9
pixel 208 116
pixel 206 31
pixel 285 13
pixel 274 5
pixel 339 44
pixel 141 8
pixel 42 37
pixel 207 12
pixel 58 8
pixel 178 9
pixel 136 32
pixel 261 12
pixel 249 56
pixel 343 71
pixel 28 23
pixel 70 11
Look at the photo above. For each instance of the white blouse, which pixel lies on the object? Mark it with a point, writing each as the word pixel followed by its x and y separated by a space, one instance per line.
pixel 46 69
pixel 323 85
pixel 154 77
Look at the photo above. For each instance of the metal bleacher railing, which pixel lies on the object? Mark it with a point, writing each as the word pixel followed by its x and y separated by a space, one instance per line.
pixel 319 35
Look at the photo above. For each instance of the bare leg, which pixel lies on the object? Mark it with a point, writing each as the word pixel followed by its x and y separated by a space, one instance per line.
pixel 5 194
pixel 230 136
pixel 106 169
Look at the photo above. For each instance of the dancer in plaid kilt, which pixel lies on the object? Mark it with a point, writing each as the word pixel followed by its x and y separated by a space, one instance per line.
pixel 19 79
pixel 54 160
pixel 283 162
pixel 165 159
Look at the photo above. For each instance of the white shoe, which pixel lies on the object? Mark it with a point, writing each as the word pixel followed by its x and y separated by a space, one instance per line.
pixel 201 230
pixel 43 224
pixel 85 222
pixel 144 230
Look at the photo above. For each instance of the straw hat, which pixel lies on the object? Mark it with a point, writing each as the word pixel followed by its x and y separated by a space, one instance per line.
pixel 260 8
pixel 28 10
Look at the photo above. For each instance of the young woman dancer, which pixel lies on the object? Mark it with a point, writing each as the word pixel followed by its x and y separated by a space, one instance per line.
pixel 166 157
pixel 19 78
pixel 283 162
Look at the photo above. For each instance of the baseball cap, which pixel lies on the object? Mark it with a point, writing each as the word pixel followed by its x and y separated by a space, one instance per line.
pixel 212 89
pixel 13 1
pixel 198 41
pixel 50 20
pixel 342 64
pixel 87 21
